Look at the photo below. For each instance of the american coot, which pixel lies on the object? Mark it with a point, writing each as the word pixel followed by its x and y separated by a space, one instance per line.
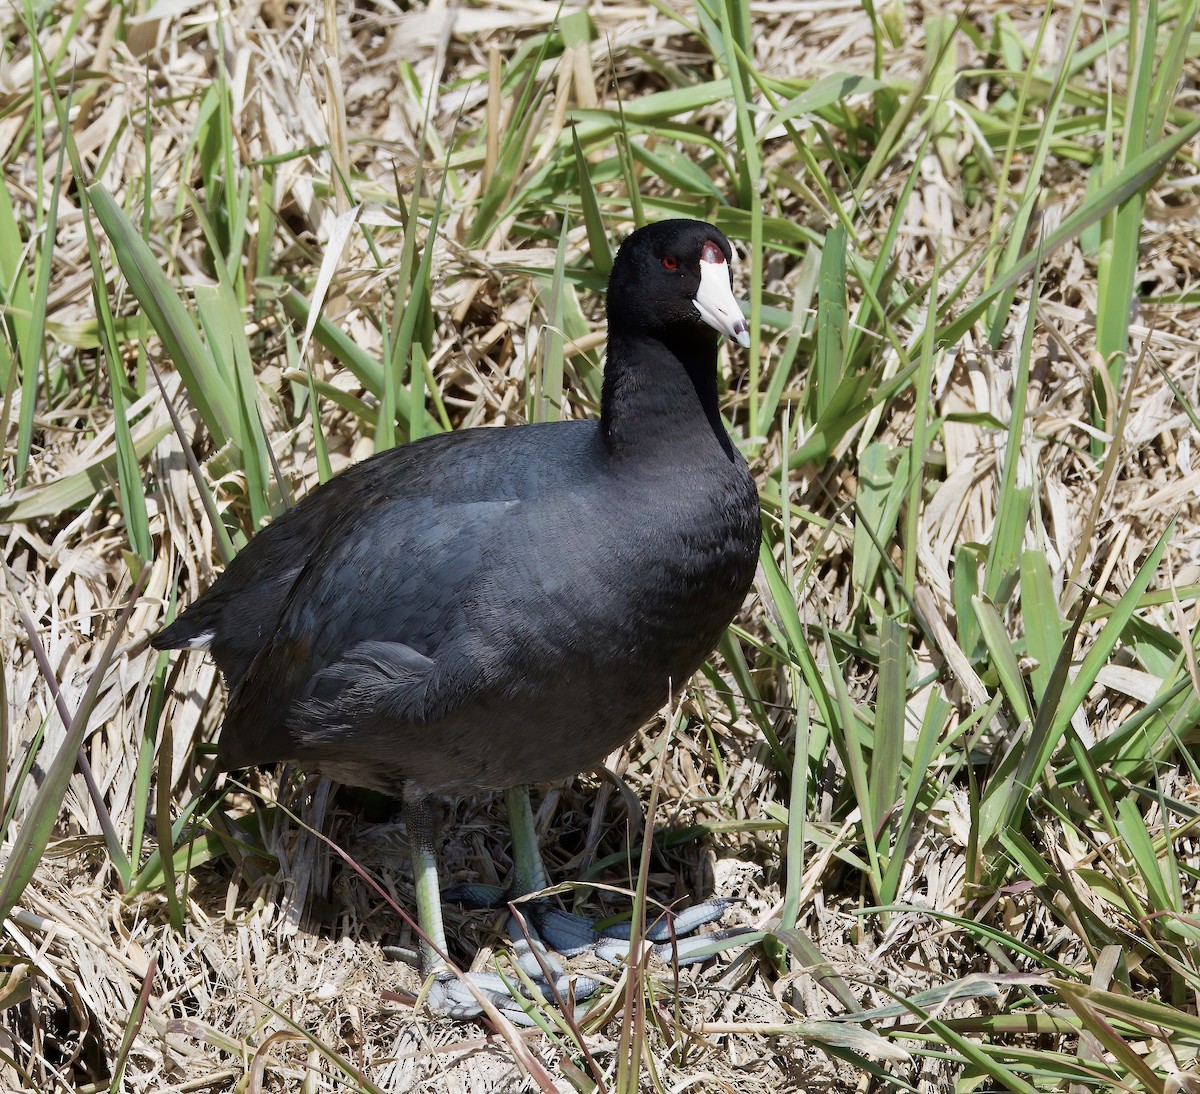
pixel 493 607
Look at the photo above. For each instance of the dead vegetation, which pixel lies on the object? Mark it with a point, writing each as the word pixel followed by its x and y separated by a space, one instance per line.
pixel 947 461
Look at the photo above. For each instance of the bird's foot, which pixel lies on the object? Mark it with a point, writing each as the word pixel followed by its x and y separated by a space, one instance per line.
pixel 670 934
pixel 540 980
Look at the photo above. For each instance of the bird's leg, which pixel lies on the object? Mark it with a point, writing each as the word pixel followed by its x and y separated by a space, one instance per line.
pixel 456 994
pixel 422 815
pixel 529 872
pixel 528 868
pixel 564 932
pixel 570 934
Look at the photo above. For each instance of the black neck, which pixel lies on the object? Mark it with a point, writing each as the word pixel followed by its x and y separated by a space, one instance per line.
pixel 652 397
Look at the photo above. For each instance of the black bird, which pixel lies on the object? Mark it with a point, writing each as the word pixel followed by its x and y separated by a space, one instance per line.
pixel 490 608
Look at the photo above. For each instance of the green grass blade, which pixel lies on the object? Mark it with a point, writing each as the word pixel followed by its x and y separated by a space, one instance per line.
pixel 79 486
pixel 831 317
pixel 209 391
pixel 1003 659
pixel 30 348
pixel 883 487
pixel 1018 228
pixel 16 298
pixel 887 744
pixel 1096 657
pixel 854 746
pixel 1043 627
pixel 1012 502
pixel 548 405
pixel 34 834
pixel 132 489
pixel 1132 179
pixel 225 334
pixel 593 219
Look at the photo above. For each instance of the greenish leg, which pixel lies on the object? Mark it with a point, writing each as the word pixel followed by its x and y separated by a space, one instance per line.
pixel 527 859
pixel 421 820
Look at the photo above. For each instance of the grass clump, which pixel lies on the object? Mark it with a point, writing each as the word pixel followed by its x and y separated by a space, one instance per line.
pixel 946 757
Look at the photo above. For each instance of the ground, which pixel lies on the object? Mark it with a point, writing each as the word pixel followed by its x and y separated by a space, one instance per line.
pixel 948 746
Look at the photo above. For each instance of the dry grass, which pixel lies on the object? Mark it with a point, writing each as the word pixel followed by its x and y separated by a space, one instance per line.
pixel 276 977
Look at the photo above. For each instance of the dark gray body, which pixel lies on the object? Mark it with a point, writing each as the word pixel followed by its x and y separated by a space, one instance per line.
pixel 496 633
pixel 495 607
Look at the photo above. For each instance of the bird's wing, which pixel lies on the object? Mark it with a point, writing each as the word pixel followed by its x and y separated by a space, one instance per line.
pixel 240 611
pixel 382 618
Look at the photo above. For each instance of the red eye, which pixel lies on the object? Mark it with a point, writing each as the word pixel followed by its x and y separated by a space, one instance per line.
pixel 670 262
